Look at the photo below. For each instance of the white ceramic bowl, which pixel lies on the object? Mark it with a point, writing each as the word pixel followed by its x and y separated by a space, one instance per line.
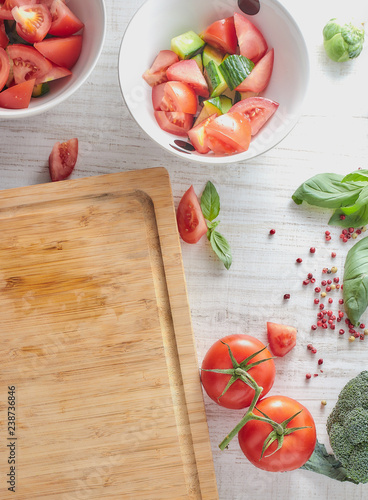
pixel 157 21
pixel 93 14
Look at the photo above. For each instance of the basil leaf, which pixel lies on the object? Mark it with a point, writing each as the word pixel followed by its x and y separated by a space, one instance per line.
pixel 356 219
pixel 221 248
pixel 359 203
pixel 357 175
pixel 355 289
pixel 327 190
pixel 210 202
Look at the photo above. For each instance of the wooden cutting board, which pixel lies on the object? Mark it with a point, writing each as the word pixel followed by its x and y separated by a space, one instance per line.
pixel 97 349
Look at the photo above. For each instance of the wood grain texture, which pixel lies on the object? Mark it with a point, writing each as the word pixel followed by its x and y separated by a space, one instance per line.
pixel 331 136
pixel 96 337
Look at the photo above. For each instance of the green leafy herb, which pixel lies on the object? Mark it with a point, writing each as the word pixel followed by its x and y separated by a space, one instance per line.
pixel 355 289
pixel 210 205
pixel 357 175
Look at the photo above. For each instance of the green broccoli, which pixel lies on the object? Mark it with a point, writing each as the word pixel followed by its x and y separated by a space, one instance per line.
pixel 347 427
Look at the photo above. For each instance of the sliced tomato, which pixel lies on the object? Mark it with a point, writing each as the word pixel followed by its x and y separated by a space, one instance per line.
pixel 178 96
pixel 222 35
pixel 62 159
pixel 64 21
pixel 156 74
pixel 281 338
pixel 228 134
pixel 61 51
pixel 28 63
pixel 257 109
pixel 55 73
pixel 17 96
pixel 4 40
pixel 4 67
pixel 251 41
pixel 174 122
pixel 158 92
pixel 187 71
pixel 191 223
pixel 33 22
pixel 197 135
pixel 260 75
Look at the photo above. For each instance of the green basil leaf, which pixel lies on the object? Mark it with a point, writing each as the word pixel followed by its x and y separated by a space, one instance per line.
pixel 356 219
pixel 359 203
pixel 327 190
pixel 213 225
pixel 221 248
pixel 210 202
pixel 357 175
pixel 355 289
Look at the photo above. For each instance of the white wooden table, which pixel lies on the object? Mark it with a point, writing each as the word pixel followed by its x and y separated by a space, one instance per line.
pixel 331 136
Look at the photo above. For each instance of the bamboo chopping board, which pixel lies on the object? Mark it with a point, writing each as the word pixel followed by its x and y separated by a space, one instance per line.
pixel 100 391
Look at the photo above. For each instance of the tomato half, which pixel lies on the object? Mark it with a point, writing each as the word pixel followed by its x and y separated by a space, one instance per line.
pixel 4 67
pixel 174 122
pixel 4 40
pixel 191 223
pixel 251 41
pixel 222 35
pixel 187 71
pixel 62 159
pixel 61 51
pixel 297 447
pixel 257 109
pixel 28 63
pixel 260 75
pixel 197 135
pixel 17 96
pixel 179 96
pixel 281 338
pixel 33 22
pixel 64 21
pixel 239 395
pixel 229 133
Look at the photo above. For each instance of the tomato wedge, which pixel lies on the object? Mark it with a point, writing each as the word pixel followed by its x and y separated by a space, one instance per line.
pixel 33 22
pixel 281 338
pixel 62 159
pixel 17 96
pixel 187 71
pixel 64 21
pixel 178 96
pixel 28 63
pixel 61 51
pixel 257 109
pixel 4 40
pixel 251 41
pixel 158 92
pixel 174 122
pixel 191 223
pixel 156 74
pixel 260 75
pixel 197 135
pixel 222 35
pixel 228 134
pixel 4 67
pixel 55 73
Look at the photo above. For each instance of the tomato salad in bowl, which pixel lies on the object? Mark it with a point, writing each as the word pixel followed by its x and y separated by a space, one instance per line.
pixel 41 43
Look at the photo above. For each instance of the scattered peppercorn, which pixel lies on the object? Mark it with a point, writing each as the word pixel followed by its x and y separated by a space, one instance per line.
pixel 312 250
pixel 299 260
pixel 287 296
pixel 320 361
pixel 308 376
pixel 272 231
pixel 323 402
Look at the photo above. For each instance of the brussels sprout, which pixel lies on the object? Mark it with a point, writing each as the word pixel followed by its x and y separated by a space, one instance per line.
pixel 342 41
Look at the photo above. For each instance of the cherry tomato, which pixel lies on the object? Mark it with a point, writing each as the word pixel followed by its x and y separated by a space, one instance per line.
pixel 229 133
pixel 178 96
pixel 239 395
pixel 281 338
pixel 33 22
pixel 174 122
pixel 257 109
pixel 251 41
pixel 4 67
pixel 64 22
pixel 221 35
pixel 260 75
pixel 61 51
pixel 297 447
pixel 62 159
pixel 28 63
pixel 17 96
pixel 187 71
pixel 191 223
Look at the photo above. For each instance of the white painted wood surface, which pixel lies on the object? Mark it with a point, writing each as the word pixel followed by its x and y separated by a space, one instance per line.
pixel 331 136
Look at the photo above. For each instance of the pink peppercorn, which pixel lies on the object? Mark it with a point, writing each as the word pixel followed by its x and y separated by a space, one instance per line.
pixel 351 229
pixel 320 361
pixel 287 296
pixel 310 276
pixel 308 376
pixel 333 255
pixel 306 282
pixel 362 336
pixel 272 231
pixel 312 250
pixel 323 282
pixel 321 306
pixel 328 289
pixel 329 282
pixel 330 300
pixel 317 289
pixel 316 301
pixel 341 301
pixel 314 350
pixel 309 347
pixel 341 331
pixel 333 326
pixel 362 325
pixel 314 327
pixel 299 260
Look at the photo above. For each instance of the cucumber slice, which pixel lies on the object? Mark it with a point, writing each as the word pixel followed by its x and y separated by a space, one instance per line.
pixel 215 80
pixel 235 69
pixel 198 60
pixel 40 89
pixel 187 45
pixel 211 54
pixel 220 105
pixel 226 103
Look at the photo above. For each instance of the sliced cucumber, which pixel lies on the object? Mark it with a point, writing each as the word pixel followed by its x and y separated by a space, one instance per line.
pixel 211 54
pixel 198 60
pixel 220 105
pixel 235 69
pixel 40 89
pixel 215 80
pixel 187 45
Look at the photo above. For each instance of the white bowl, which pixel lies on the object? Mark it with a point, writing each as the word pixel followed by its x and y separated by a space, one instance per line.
pixel 151 30
pixel 93 14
